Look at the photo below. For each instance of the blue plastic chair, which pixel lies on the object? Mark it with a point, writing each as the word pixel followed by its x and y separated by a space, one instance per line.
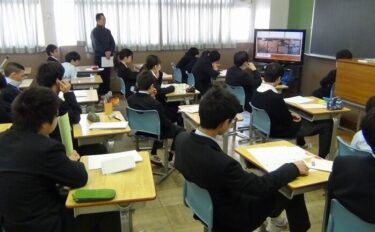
pixel 177 74
pixel 122 85
pixel 342 220
pixel 239 92
pixel 190 79
pixel 199 200
pixel 345 149
pixel 261 122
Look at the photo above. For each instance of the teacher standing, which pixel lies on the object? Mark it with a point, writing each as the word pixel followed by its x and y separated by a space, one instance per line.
pixel 104 46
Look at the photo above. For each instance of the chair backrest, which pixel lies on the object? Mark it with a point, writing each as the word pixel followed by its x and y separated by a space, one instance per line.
pixel 260 120
pixel 190 79
pixel 177 74
pixel 342 220
pixel 239 92
pixel 122 85
pixel 332 91
pixel 199 200
pixel 345 149
pixel 146 121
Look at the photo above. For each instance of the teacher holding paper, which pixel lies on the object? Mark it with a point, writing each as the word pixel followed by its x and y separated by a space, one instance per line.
pixel 104 47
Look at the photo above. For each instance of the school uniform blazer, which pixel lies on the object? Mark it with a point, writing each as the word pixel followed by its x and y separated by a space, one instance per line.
pixel 143 101
pixel 51 59
pixel 203 72
pixel 352 183
pixel 233 190
pixel 30 167
pixel 102 41
pixel 4 115
pixel 7 96
pixel 129 77
pixel 248 80
pixel 186 64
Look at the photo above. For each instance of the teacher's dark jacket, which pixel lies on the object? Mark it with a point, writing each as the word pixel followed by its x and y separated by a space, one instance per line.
pixel 102 41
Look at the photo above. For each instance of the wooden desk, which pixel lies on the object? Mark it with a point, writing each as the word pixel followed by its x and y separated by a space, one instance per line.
pixel 315 180
pixel 86 82
pixel 86 96
pixel 84 135
pixel 134 185
pixel 27 71
pixel 88 69
pixel 26 83
pixel 168 78
pixel 180 94
pixel 320 114
pixel 5 126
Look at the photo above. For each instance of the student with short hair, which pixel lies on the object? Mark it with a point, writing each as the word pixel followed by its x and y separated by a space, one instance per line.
pixel 205 69
pixel 125 58
pixel 72 60
pixel 358 140
pixel 244 74
pixel 351 180
pixel 31 164
pixel 187 62
pixel 144 99
pixel 241 200
pixel 52 53
pixel 283 123
pixel 14 74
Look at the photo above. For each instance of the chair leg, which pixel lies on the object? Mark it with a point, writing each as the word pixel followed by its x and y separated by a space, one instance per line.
pixel 166 169
pixel 137 143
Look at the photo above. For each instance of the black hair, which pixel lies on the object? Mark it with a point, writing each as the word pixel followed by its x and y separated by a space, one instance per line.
pixel 368 128
pixel 50 49
pixel 205 53
pixel 370 104
pixel 344 54
pixel 33 107
pixel 151 61
pixel 240 58
pixel 214 56
pixel 272 72
pixel 216 106
pixel 48 73
pixel 72 56
pixel 144 80
pixel 193 51
pixel 98 15
pixel 124 53
pixel 12 67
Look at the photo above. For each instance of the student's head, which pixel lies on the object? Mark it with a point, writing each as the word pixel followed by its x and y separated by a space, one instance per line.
pixel 205 53
pixel 217 109
pixel 368 129
pixel 240 58
pixel 125 55
pixel 14 71
pixel 370 104
pixel 273 72
pixel 49 73
pixel 214 56
pixel 73 57
pixel 193 51
pixel 344 54
pixel 100 19
pixel 153 63
pixel 52 50
pixel 36 110
pixel 145 82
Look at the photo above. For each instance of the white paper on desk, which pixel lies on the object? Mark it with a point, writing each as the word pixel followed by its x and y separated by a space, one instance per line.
pixel 95 161
pixel 190 109
pixel 298 100
pixel 108 125
pixel 107 62
pixel 313 106
pixel 80 93
pixel 320 164
pixel 271 158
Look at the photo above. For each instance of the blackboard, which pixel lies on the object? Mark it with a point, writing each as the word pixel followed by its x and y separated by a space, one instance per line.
pixel 339 24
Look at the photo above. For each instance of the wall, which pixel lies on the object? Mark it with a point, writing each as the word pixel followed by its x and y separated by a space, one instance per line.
pixel 279 11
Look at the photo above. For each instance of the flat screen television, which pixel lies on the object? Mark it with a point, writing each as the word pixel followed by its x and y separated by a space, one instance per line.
pixel 281 45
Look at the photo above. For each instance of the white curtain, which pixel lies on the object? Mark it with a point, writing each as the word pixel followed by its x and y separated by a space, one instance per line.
pixel 21 26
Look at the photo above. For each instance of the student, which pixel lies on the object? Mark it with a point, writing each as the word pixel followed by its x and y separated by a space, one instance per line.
pixel 204 69
pixel 187 62
pixel 358 140
pixel 14 74
pixel 31 164
pixel 52 53
pixel 241 200
pixel 4 116
pixel 327 82
pixel 351 180
pixel 145 100
pixel 72 60
pixel 125 58
pixel 244 74
pixel 283 123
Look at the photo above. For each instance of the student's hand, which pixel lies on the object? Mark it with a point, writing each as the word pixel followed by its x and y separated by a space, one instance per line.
pixel 74 156
pixel 108 54
pixel 154 92
pixel 302 168
pixel 251 66
pixel 296 117
pixel 215 66
pixel 64 86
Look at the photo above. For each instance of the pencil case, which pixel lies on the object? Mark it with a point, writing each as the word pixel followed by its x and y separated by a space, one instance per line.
pixel 89 195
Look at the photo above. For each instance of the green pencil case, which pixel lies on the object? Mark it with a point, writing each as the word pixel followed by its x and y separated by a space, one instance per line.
pixel 88 195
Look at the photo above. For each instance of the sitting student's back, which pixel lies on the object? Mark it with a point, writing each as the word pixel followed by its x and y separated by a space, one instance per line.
pixel 72 60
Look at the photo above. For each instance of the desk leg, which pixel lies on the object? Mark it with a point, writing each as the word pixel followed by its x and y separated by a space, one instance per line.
pixel 110 146
pixel 325 212
pixel 332 151
pixel 126 218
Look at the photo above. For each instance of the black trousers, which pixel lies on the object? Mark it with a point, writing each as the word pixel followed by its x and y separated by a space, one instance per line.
pixel 106 76
pixel 170 134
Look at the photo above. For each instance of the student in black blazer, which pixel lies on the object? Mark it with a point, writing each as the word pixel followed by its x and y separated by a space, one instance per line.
pixel 283 123
pixel 125 58
pixel 241 200
pixel 52 53
pixel 14 74
pixel 187 62
pixel 205 69
pixel 144 99
pixel 352 178
pixel 31 164
pixel 244 74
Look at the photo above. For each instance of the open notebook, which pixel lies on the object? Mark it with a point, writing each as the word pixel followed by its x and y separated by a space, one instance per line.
pixel 95 161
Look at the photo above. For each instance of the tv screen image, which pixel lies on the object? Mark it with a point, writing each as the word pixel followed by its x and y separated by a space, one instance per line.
pixel 279 45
